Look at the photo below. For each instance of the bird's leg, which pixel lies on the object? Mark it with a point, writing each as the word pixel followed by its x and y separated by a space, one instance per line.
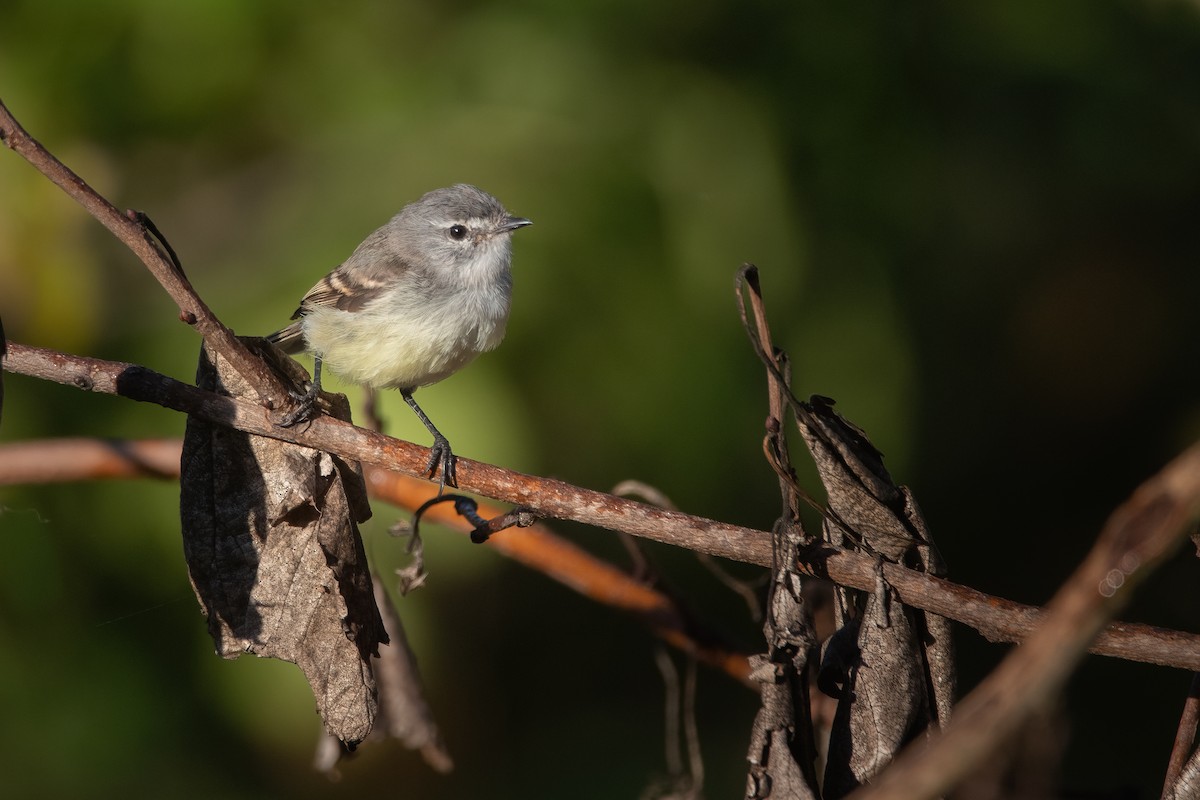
pixel 440 453
pixel 308 400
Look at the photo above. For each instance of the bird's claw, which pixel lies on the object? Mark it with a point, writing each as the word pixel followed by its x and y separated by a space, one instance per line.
pixel 306 406
pixel 440 455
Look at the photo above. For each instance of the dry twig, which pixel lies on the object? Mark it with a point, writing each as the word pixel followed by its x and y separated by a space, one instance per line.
pixel 134 231
pixel 1139 534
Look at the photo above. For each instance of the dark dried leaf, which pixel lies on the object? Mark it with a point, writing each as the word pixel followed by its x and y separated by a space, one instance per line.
pixel 412 575
pixel 1187 785
pixel 898 678
pixel 404 712
pixel 883 702
pixel 781 749
pixel 274 554
pixel 938 640
pixel 860 491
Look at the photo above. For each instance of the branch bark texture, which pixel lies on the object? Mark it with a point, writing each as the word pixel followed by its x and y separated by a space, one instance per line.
pixel 996 618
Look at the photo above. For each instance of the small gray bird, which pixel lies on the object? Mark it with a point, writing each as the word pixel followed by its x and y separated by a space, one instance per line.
pixel 414 303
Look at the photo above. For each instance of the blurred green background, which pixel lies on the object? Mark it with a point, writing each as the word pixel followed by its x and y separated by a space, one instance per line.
pixel 977 229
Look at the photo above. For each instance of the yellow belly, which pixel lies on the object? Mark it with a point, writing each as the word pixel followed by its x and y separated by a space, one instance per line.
pixel 383 346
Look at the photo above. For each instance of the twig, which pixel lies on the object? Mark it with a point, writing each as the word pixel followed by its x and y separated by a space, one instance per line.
pixel 779 396
pixel 690 729
pixel 538 548
pixel 547 497
pixel 996 618
pixel 58 460
pixel 747 590
pixel 468 508
pixel 87 459
pixel 680 719
pixel 132 230
pixel 1138 535
pixel 672 693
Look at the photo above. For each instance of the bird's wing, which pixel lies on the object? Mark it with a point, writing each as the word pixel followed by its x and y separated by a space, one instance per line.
pixel 344 289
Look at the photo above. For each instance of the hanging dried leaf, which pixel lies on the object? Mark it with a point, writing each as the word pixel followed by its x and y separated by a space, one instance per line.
pixel 897 676
pixel 1187 785
pixel 781 741
pixel 274 554
pixel 404 711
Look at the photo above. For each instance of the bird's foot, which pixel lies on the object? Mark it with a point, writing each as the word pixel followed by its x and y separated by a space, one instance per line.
pixel 440 455
pixel 306 407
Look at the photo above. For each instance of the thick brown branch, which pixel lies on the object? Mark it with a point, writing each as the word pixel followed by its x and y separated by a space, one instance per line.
pixel 135 236
pixel 1138 535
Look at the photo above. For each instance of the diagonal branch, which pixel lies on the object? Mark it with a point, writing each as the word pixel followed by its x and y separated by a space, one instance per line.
pixel 1140 533
pixel 131 230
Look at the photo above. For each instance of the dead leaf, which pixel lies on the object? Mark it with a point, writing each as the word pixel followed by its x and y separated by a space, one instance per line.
pixel 275 557
pixel 897 679
pixel 782 748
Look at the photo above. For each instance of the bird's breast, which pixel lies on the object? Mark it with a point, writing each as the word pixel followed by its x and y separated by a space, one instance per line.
pixel 403 341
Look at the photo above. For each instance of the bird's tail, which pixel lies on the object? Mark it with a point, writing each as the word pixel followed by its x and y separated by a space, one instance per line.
pixel 290 339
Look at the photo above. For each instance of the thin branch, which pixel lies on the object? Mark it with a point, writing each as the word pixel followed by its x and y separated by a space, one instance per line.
pixel 86 459
pixel 538 548
pixel 747 590
pixel 1140 533
pixel 132 231
pixel 996 618
pixel 59 460
pixel 547 497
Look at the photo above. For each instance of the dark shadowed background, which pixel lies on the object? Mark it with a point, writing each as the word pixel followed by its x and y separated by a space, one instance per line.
pixel 977 230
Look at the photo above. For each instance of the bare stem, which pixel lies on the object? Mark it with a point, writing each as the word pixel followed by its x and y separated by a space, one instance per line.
pixel 131 231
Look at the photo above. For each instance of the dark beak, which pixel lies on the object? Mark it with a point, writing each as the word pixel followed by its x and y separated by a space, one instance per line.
pixel 512 223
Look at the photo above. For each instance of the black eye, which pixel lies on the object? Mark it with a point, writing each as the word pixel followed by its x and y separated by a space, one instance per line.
pixel 458 231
